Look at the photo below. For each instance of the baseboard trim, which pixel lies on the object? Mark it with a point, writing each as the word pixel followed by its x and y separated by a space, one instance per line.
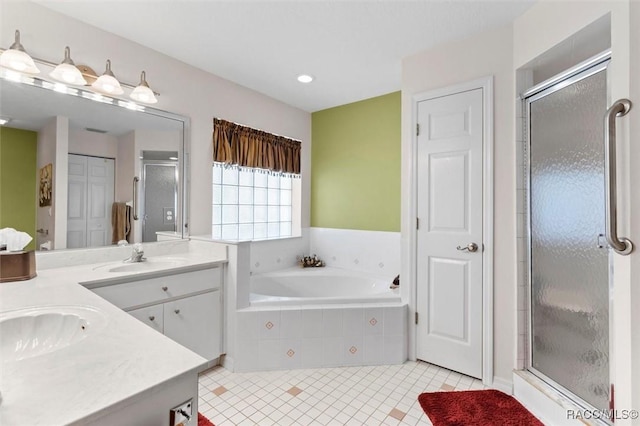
pixel 503 385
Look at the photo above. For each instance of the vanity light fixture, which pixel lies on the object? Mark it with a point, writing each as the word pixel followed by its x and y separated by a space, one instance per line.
pixel 107 82
pixel 16 58
pixel 143 93
pixel 305 78
pixel 67 71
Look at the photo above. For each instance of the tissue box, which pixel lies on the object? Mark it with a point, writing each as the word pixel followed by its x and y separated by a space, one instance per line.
pixel 17 265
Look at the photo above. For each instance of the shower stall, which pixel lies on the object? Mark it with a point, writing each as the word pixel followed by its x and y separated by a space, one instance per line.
pixel 571 226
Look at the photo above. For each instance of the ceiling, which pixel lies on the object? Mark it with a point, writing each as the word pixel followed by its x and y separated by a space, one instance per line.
pixel 353 48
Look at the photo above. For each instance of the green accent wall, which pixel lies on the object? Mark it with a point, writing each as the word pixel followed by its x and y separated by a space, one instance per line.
pixel 18 168
pixel 355 165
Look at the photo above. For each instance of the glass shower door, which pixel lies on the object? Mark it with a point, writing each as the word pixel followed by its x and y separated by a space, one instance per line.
pixel 569 260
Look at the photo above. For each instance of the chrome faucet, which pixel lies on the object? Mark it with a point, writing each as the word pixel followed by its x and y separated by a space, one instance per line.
pixel 137 254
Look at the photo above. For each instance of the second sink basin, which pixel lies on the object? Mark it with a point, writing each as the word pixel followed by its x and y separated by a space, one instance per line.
pixel 147 265
pixel 31 332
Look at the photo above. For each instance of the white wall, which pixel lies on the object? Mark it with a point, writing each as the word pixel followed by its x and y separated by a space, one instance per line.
pixel 540 29
pixel 83 142
pixel 184 90
pixel 483 55
pixel 53 140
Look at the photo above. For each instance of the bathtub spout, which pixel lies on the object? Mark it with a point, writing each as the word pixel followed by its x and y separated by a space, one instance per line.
pixel 396 283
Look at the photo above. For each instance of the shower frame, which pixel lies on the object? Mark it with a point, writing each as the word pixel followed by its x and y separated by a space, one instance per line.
pixel 585 69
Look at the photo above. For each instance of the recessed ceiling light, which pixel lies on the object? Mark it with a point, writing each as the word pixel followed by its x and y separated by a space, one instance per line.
pixel 4 120
pixel 305 78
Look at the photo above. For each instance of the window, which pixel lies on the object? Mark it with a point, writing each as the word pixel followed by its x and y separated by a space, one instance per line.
pixel 254 204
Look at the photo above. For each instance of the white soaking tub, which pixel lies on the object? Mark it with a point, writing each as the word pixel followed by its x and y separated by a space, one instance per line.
pixel 327 285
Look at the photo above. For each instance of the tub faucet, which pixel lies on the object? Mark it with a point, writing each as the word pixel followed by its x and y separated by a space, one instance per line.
pixel 137 254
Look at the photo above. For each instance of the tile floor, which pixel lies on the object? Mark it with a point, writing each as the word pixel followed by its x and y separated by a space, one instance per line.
pixel 381 395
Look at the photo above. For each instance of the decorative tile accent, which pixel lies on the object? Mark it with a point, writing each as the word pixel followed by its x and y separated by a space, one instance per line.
pixel 373 321
pixel 269 325
pixel 353 349
pixel 397 414
pixel 295 391
pixel 219 390
pixel 446 387
pixel 290 353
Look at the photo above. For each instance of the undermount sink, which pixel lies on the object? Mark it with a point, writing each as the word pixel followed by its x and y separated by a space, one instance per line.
pixel 147 265
pixel 27 333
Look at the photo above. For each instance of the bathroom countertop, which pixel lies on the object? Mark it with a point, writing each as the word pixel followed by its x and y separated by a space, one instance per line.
pixel 118 365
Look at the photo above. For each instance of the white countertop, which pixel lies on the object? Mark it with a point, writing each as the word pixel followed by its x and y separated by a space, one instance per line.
pixel 105 371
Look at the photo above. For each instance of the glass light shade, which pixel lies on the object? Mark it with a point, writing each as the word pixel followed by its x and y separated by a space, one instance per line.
pixel 143 94
pixel 69 74
pixel 107 82
pixel 18 60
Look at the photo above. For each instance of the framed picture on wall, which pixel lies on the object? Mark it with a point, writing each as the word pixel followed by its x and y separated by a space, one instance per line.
pixel 46 180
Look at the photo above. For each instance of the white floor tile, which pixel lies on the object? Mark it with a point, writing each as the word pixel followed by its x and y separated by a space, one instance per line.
pixel 329 396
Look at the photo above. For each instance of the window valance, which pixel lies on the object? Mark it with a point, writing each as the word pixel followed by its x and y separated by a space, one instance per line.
pixel 244 146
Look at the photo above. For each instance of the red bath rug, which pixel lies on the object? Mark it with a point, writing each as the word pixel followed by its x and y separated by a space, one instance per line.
pixel 478 407
pixel 203 421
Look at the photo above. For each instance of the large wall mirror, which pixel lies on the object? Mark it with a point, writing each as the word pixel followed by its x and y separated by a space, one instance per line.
pixel 83 170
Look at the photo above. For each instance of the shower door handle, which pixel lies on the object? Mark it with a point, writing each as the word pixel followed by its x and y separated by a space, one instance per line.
pixel 620 245
pixel 136 179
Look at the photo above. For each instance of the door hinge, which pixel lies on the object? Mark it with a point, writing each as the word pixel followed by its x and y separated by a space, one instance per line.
pixel 417 223
pixel 416 318
pixel 417 129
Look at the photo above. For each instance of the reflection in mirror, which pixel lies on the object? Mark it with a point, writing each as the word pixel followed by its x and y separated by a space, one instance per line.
pixel 75 170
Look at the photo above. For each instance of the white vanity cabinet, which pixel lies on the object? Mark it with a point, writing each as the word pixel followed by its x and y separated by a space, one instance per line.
pixel 186 307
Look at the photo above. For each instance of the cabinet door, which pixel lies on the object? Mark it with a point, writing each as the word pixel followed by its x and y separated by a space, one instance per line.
pixel 195 322
pixel 152 316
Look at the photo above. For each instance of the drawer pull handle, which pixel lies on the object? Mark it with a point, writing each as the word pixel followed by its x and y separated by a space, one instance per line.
pixel 165 288
pixel 152 318
pixel 177 311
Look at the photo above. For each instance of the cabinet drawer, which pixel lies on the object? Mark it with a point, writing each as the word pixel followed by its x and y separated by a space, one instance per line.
pixel 151 315
pixel 160 289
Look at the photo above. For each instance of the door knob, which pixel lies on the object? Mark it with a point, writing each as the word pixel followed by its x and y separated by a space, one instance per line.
pixel 472 247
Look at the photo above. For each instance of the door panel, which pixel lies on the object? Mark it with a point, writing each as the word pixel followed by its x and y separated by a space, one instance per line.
pixel 160 198
pixel 569 268
pixel 449 287
pixel 77 202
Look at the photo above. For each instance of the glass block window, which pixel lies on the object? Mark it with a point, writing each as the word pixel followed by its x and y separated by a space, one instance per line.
pixel 251 204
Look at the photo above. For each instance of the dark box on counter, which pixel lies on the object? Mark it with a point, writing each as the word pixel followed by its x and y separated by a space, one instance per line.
pixel 17 265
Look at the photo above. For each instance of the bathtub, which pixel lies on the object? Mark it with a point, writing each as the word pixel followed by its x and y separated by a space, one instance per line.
pixel 303 286
pixel 319 317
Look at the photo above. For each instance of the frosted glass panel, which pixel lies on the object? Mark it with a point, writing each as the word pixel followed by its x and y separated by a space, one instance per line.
pixel 216 215
pixel 245 195
pixel 285 182
pixel 260 230
pixel 229 214
pixel 245 177
pixel 245 214
pixel 285 196
pixel 245 232
pixel 273 181
pixel 230 232
pixel 230 176
pixel 260 214
pixel 217 193
pixel 274 213
pixel 260 196
pixel 285 228
pixel 274 196
pixel 217 174
pixel 285 213
pixel 273 229
pixel 569 273
pixel 229 194
pixel 216 231
pixel 260 179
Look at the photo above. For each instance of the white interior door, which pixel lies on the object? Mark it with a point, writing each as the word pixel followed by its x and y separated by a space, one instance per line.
pixel 77 202
pixel 100 196
pixel 90 196
pixel 449 210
